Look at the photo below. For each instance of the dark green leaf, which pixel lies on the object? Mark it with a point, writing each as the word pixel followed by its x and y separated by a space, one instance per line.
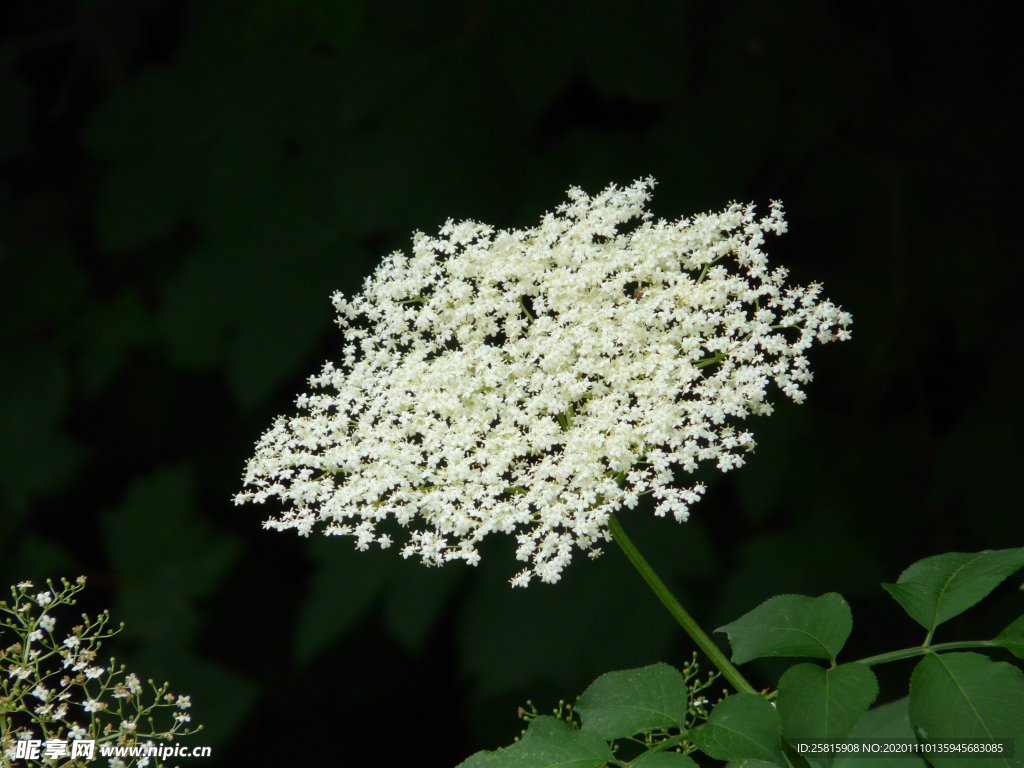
pixel 345 585
pixel 34 403
pixel 1012 638
pixel 141 136
pixel 964 696
pixel 548 743
pixel 15 123
pixel 620 704
pixel 791 625
pixel 109 332
pixel 889 721
pixel 798 561
pixel 824 704
pixel 38 559
pixel 166 556
pixel 938 588
pixel 664 760
pixel 415 599
pixel 741 727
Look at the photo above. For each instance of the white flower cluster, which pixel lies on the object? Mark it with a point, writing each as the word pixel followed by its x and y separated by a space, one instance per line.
pixel 532 382
pixel 54 689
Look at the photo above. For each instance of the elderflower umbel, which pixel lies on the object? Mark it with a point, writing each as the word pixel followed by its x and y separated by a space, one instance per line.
pixel 532 382
pixel 73 689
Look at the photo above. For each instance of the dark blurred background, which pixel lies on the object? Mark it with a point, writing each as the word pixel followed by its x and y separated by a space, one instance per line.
pixel 185 183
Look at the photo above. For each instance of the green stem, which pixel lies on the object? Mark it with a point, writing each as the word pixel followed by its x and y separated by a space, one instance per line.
pixel 909 653
pixel 717 358
pixel 529 315
pixel 699 636
pixel 661 746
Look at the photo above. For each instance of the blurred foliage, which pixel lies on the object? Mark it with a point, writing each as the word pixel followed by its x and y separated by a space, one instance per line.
pixel 185 184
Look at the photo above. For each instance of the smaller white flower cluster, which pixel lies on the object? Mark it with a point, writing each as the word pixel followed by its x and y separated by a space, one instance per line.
pixel 532 382
pixel 53 688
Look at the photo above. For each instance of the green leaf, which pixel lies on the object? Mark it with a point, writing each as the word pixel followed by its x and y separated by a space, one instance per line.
pixel 791 625
pixel 35 401
pixel 15 121
pixel 109 332
pixel 345 585
pixel 888 722
pixel 823 704
pixel 1012 638
pixel 37 559
pixel 620 704
pixel 415 599
pixel 798 561
pixel 938 588
pixel 966 696
pixel 664 760
pixel 166 556
pixel 743 726
pixel 548 743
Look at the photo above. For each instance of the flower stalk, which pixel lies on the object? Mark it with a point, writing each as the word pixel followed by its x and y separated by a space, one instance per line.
pixel 675 608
